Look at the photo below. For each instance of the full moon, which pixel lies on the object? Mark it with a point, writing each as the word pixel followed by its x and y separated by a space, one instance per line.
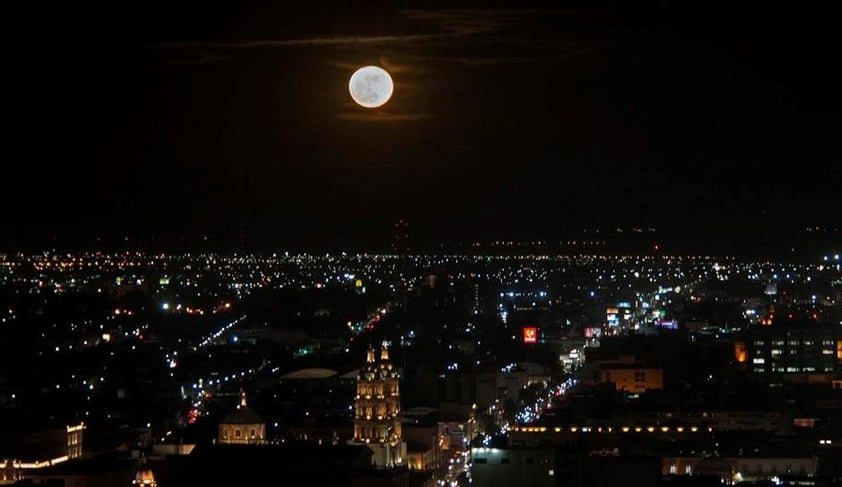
pixel 371 86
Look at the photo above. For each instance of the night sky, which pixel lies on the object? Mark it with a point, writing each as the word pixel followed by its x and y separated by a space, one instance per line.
pixel 152 121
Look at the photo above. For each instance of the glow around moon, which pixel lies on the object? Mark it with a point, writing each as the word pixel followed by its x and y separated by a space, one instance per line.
pixel 371 86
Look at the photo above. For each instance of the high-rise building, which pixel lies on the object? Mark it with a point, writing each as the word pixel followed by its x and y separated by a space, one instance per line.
pixel 798 348
pixel 377 407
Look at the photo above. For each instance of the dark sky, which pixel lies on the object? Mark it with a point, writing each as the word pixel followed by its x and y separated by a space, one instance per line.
pixel 151 120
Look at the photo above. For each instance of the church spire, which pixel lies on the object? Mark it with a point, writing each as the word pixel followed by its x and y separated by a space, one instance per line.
pixel 242 398
pixel 377 408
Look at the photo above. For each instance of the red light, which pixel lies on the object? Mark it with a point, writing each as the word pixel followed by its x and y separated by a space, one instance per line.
pixel 530 334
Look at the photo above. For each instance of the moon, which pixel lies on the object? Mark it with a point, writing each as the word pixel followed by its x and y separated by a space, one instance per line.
pixel 371 86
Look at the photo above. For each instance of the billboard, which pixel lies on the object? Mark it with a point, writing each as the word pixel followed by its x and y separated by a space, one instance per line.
pixel 530 334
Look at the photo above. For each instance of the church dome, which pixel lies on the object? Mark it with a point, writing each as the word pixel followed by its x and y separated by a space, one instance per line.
pixel 243 415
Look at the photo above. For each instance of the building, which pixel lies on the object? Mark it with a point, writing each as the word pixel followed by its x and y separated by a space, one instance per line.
pixel 145 478
pixel 742 469
pixel 377 407
pixel 632 377
pixel 112 469
pixel 483 388
pixel 785 349
pixel 242 426
pixel 267 464
pixel 423 450
pixel 24 451
pixel 554 467
pixel 440 440
pixel 514 466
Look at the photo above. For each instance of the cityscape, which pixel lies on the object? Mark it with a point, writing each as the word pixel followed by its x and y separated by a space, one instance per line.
pixel 411 369
pixel 422 244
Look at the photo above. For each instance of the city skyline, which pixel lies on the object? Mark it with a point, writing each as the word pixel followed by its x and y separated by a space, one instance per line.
pixel 457 370
pixel 234 123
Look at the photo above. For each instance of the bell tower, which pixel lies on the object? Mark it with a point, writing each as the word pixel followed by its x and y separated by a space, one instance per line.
pixel 377 408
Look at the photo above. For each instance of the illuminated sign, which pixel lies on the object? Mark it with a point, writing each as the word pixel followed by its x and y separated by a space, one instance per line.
pixel 593 332
pixel 668 324
pixel 530 334
pixel 611 316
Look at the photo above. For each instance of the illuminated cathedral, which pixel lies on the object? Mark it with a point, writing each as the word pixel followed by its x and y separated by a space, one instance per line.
pixel 242 426
pixel 377 407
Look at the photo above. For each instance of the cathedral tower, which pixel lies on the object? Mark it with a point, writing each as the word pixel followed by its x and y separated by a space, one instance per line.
pixel 377 407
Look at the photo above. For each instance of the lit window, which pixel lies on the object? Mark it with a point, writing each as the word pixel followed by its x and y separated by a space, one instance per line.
pixel 688 469
pixel 759 360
